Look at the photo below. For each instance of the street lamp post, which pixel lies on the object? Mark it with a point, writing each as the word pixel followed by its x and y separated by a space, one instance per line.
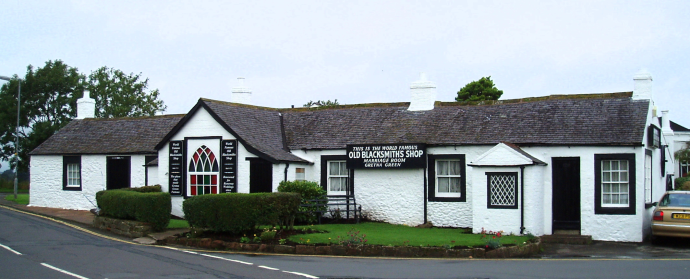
pixel 16 139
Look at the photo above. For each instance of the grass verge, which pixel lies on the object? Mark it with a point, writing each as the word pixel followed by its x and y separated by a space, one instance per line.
pixel 178 224
pixel 399 235
pixel 11 190
pixel 21 198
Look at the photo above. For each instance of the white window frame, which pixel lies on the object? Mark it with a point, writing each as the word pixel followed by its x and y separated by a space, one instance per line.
pixel 684 165
pixel 300 174
pixel 73 175
pixel 647 177
pixel 211 173
pixel 615 182
pixel 339 176
pixel 437 175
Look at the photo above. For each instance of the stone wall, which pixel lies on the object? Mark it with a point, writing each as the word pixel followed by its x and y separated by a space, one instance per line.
pixel 129 228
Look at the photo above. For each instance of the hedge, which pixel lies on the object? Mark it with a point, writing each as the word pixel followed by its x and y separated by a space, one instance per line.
pixel 236 213
pixel 145 189
pixel 149 207
pixel 310 191
pixel 680 181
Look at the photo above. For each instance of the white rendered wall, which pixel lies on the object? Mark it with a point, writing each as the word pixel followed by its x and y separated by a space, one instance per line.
pixel 202 124
pixel 493 219
pixel 46 180
pixel 394 196
pixel 153 175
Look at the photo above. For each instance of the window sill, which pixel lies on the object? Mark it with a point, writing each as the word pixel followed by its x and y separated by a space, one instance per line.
pixel 444 199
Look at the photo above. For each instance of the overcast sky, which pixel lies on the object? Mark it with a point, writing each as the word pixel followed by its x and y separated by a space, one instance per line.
pixel 291 52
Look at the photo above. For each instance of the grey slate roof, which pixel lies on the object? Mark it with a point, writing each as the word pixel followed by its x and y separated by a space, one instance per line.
pixel 535 161
pixel 593 119
pixel 109 136
pixel 257 128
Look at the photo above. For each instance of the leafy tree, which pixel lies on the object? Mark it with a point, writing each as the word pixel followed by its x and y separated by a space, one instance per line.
pixel 327 103
pixel 48 103
pixel 479 90
pixel 120 95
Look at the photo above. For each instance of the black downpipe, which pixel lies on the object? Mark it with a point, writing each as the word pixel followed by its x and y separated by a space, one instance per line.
pixel 425 194
pixel 522 200
pixel 287 165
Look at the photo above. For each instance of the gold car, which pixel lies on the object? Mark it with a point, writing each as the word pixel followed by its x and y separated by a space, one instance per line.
pixel 672 215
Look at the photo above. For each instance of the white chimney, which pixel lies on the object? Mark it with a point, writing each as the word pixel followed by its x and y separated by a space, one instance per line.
pixel 241 94
pixel 643 85
pixel 86 106
pixel 666 123
pixel 423 94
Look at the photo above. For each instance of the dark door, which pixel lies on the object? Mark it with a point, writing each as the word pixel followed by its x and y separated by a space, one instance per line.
pixel 566 193
pixel 118 170
pixel 260 176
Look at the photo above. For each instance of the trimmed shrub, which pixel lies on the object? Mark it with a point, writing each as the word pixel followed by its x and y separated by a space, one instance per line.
pixel 236 213
pixel 309 190
pixel 145 189
pixel 149 207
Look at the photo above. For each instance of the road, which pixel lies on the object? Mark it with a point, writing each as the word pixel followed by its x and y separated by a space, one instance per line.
pixel 33 247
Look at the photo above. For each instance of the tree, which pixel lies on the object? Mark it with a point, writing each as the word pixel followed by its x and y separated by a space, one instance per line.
pixel 480 90
pixel 327 103
pixel 48 102
pixel 120 95
pixel 49 97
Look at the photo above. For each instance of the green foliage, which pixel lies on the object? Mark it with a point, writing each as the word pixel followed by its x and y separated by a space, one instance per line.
pixel 352 238
pixel 680 182
pixel 145 189
pixel 151 207
pixel 322 104
pixel 683 155
pixel 120 95
pixel 49 97
pixel 178 224
pixel 268 234
pixel 309 190
pixel 236 213
pixel 480 90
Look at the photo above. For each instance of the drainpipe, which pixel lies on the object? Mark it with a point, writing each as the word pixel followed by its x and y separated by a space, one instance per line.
pixel 522 200
pixel 287 165
pixel 425 196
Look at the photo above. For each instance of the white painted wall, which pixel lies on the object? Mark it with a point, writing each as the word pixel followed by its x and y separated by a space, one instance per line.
pixel 46 180
pixel 393 196
pixel 153 175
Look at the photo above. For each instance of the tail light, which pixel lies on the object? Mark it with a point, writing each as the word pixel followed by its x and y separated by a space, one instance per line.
pixel 658 216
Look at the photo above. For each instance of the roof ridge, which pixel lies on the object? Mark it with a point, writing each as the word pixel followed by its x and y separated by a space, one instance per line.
pixel 132 118
pixel 348 106
pixel 237 104
pixel 626 94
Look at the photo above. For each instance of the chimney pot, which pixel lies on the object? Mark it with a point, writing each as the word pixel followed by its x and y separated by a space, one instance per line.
pixel 86 106
pixel 423 94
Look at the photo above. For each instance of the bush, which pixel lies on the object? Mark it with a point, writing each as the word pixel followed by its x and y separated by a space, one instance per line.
pixel 149 207
pixel 309 190
pixel 145 189
pixel 236 213
pixel 680 181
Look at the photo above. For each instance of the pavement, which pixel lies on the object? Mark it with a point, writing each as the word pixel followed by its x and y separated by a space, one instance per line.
pixel 668 248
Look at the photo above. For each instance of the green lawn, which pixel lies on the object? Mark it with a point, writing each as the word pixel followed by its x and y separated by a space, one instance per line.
pixel 178 224
pixel 399 235
pixel 21 198
pixel 11 190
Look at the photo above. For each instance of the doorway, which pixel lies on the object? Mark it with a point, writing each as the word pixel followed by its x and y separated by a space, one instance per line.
pixel 566 194
pixel 260 176
pixel 118 172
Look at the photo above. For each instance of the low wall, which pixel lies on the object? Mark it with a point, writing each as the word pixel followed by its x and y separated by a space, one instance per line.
pixel 129 228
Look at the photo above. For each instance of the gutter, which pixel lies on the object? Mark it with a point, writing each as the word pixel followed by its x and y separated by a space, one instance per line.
pixel 522 200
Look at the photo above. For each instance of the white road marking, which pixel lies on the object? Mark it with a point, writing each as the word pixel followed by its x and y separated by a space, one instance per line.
pixel 230 260
pixel 301 274
pixel 10 249
pixel 268 267
pixel 64 271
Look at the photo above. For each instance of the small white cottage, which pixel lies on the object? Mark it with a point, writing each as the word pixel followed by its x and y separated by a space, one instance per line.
pixel 588 164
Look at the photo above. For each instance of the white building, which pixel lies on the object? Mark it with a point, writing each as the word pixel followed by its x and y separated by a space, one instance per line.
pixel 589 164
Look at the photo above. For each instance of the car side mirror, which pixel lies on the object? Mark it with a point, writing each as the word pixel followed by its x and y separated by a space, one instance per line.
pixel 655 203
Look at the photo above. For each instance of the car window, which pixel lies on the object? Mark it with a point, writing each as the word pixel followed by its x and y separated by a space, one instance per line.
pixel 675 200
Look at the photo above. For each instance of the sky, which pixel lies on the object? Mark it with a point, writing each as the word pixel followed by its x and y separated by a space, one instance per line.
pixel 291 52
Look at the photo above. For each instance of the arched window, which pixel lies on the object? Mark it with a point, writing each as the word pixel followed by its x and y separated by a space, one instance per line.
pixel 203 172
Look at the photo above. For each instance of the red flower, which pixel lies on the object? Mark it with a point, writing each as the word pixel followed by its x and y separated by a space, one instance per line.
pixel 494 237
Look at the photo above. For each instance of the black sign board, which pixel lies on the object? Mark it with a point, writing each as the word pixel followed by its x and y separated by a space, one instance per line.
pixel 175 169
pixel 228 162
pixel 386 156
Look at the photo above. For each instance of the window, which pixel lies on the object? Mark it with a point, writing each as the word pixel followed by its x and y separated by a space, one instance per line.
pixel 501 188
pixel 684 168
pixel 299 174
pixel 337 178
pixel 648 176
pixel 446 178
pixel 203 172
pixel 71 173
pixel 653 137
pixel 615 183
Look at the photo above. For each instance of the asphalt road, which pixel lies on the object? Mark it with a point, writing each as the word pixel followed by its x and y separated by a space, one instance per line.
pixel 33 247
